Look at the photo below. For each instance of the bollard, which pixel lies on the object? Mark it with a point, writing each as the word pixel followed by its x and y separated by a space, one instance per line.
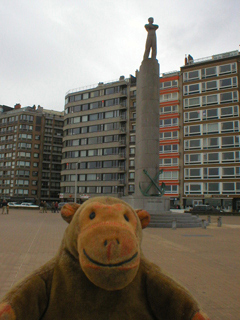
pixel 204 224
pixel 174 224
pixel 209 219
pixel 219 221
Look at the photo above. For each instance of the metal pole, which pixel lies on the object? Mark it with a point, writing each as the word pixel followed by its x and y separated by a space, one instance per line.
pixel 75 189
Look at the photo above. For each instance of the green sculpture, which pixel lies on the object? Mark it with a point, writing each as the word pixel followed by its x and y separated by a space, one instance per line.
pixel 154 182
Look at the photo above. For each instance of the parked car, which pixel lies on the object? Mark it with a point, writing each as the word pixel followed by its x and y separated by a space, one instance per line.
pixel 13 204
pixel 61 204
pixel 28 204
pixel 205 208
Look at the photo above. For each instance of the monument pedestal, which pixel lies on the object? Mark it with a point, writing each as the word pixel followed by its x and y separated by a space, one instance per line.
pixel 153 205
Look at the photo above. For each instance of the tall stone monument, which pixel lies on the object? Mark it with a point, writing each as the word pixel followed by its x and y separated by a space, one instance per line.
pixel 147 190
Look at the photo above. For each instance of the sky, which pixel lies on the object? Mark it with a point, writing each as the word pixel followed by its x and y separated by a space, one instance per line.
pixel 49 47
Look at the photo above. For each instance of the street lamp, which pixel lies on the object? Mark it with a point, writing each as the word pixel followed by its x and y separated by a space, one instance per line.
pixel 75 198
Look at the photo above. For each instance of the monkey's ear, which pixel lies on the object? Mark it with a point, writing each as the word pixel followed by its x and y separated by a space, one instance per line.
pixel 68 211
pixel 144 217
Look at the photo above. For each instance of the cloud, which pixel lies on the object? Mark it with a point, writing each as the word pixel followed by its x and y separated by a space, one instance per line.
pixel 51 46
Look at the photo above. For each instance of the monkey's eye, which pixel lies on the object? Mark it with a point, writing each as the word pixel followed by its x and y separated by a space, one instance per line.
pixel 92 215
pixel 126 218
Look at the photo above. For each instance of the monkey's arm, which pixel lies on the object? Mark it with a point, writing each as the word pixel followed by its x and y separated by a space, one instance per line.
pixel 168 299
pixel 29 298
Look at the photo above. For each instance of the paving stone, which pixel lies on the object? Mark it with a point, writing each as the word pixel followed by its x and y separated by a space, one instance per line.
pixel 205 261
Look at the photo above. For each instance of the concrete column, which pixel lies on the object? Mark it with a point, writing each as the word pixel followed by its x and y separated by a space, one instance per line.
pixel 147 125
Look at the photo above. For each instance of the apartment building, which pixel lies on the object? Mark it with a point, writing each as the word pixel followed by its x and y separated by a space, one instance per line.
pixel 30 153
pixel 96 148
pixel 169 127
pixel 199 135
pixel 211 131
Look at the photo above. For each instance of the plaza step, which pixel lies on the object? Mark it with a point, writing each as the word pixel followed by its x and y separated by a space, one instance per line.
pixel 183 220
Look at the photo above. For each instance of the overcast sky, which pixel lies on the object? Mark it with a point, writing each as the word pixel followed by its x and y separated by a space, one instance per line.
pixel 49 47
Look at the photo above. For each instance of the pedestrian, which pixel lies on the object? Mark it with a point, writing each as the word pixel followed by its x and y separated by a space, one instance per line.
pixel 7 208
pixel 56 206
pixel 45 206
pixel 53 207
pixel 4 206
pixel 41 207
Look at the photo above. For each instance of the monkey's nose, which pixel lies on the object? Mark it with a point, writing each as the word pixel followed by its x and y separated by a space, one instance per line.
pixel 111 241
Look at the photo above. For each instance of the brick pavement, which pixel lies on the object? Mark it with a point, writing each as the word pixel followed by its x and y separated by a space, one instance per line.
pixel 206 261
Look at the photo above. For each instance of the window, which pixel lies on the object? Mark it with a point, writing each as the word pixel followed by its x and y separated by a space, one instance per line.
pixel 210 128
pixel 230 142
pixel 211 99
pixel 169 84
pixel 191 75
pixel 229 97
pixel 94 105
pixel 211 158
pixel 192 116
pixel 93 128
pixel 229 111
pixel 93 117
pixel 230 126
pixel 227 68
pixel 228 188
pixel 193 173
pixel 210 173
pixel 191 89
pixel 192 144
pixel 209 86
pixel 193 188
pixel 94 94
pixel 171 189
pixel 228 172
pixel 172 148
pixel 84 118
pixel 168 122
pixel 209 72
pixel 192 130
pixel 169 109
pixel 192 102
pixel 168 135
pixel 232 156
pixel 228 83
pixel 212 188
pixel 210 114
pixel 169 97
pixel 85 96
pixel 91 177
pixel 211 143
pixel 194 158
pixel 169 175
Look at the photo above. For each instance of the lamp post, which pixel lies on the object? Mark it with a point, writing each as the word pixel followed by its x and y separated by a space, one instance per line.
pixel 75 198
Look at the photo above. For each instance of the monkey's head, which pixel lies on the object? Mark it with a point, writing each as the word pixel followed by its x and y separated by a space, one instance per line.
pixel 105 235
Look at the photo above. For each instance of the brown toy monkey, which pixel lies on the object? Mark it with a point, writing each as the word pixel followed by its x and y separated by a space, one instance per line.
pixel 99 273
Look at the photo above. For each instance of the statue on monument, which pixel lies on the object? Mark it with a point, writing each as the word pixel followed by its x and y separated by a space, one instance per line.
pixel 151 39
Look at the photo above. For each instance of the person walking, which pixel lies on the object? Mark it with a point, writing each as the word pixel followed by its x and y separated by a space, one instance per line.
pixel 56 207
pixel 45 206
pixel 41 207
pixel 53 207
pixel 4 207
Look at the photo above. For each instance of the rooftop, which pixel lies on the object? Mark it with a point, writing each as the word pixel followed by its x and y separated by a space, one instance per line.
pixel 189 60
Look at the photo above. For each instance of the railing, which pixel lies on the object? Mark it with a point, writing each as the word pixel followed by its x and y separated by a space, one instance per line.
pixel 96 85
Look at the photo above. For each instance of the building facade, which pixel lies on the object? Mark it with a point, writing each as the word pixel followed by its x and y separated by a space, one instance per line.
pixel 95 143
pixel 169 128
pixel 30 153
pixel 211 131
pixel 198 142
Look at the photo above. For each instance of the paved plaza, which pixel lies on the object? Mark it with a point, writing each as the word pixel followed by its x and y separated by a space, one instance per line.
pixel 206 261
